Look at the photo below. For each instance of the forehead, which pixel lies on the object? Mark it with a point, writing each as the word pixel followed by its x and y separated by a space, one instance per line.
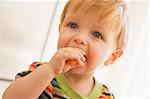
pixel 89 19
pixel 106 15
pixel 88 6
pixel 82 13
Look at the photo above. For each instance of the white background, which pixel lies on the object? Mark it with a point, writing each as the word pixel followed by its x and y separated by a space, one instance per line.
pixel 29 32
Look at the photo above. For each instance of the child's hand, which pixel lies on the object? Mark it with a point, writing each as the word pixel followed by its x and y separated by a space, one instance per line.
pixel 67 58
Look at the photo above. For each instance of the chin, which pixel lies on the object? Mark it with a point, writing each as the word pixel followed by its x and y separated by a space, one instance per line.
pixel 77 70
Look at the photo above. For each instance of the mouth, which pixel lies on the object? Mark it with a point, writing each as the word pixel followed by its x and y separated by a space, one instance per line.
pixel 82 50
pixel 73 62
pixel 85 58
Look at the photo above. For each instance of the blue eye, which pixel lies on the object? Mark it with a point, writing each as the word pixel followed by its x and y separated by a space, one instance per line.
pixel 97 34
pixel 73 25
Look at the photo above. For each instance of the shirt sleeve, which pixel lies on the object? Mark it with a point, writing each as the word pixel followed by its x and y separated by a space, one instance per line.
pixel 32 67
pixel 47 93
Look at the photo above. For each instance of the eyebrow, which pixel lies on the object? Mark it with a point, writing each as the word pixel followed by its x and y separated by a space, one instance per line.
pixel 71 17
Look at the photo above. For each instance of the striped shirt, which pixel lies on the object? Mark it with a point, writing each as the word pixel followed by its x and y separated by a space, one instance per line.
pixel 59 88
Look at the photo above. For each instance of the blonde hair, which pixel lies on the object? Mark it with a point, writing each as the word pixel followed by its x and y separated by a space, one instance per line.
pixel 111 13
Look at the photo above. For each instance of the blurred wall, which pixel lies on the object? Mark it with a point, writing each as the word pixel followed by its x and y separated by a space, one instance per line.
pixel 25 27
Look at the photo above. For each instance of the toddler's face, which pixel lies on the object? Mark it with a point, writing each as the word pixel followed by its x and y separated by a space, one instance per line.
pixel 84 31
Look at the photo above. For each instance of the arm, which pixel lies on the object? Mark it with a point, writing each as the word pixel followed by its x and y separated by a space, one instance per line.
pixel 32 85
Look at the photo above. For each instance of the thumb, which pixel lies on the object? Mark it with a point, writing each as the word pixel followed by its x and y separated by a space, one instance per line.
pixel 66 68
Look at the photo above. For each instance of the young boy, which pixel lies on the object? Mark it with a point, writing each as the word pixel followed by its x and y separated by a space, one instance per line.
pixel 91 35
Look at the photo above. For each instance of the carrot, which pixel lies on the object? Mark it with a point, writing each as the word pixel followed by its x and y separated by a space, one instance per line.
pixel 71 62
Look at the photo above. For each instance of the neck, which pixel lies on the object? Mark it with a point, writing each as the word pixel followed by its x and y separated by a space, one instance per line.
pixel 77 77
pixel 83 84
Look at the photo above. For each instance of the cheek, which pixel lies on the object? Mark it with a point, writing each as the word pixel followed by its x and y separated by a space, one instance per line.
pixel 97 55
pixel 63 40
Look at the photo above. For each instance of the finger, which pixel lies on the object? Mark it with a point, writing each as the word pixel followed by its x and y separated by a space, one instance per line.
pixel 83 58
pixel 66 68
pixel 74 56
pixel 82 54
pixel 81 62
pixel 77 59
pixel 81 51
pixel 77 50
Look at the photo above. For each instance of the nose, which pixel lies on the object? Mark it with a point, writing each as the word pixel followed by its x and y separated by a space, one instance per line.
pixel 79 40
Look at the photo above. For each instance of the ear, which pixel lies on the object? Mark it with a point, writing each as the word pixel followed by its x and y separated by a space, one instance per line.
pixel 115 55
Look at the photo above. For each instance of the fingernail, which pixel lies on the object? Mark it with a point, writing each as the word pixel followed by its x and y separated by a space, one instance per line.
pixel 83 59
